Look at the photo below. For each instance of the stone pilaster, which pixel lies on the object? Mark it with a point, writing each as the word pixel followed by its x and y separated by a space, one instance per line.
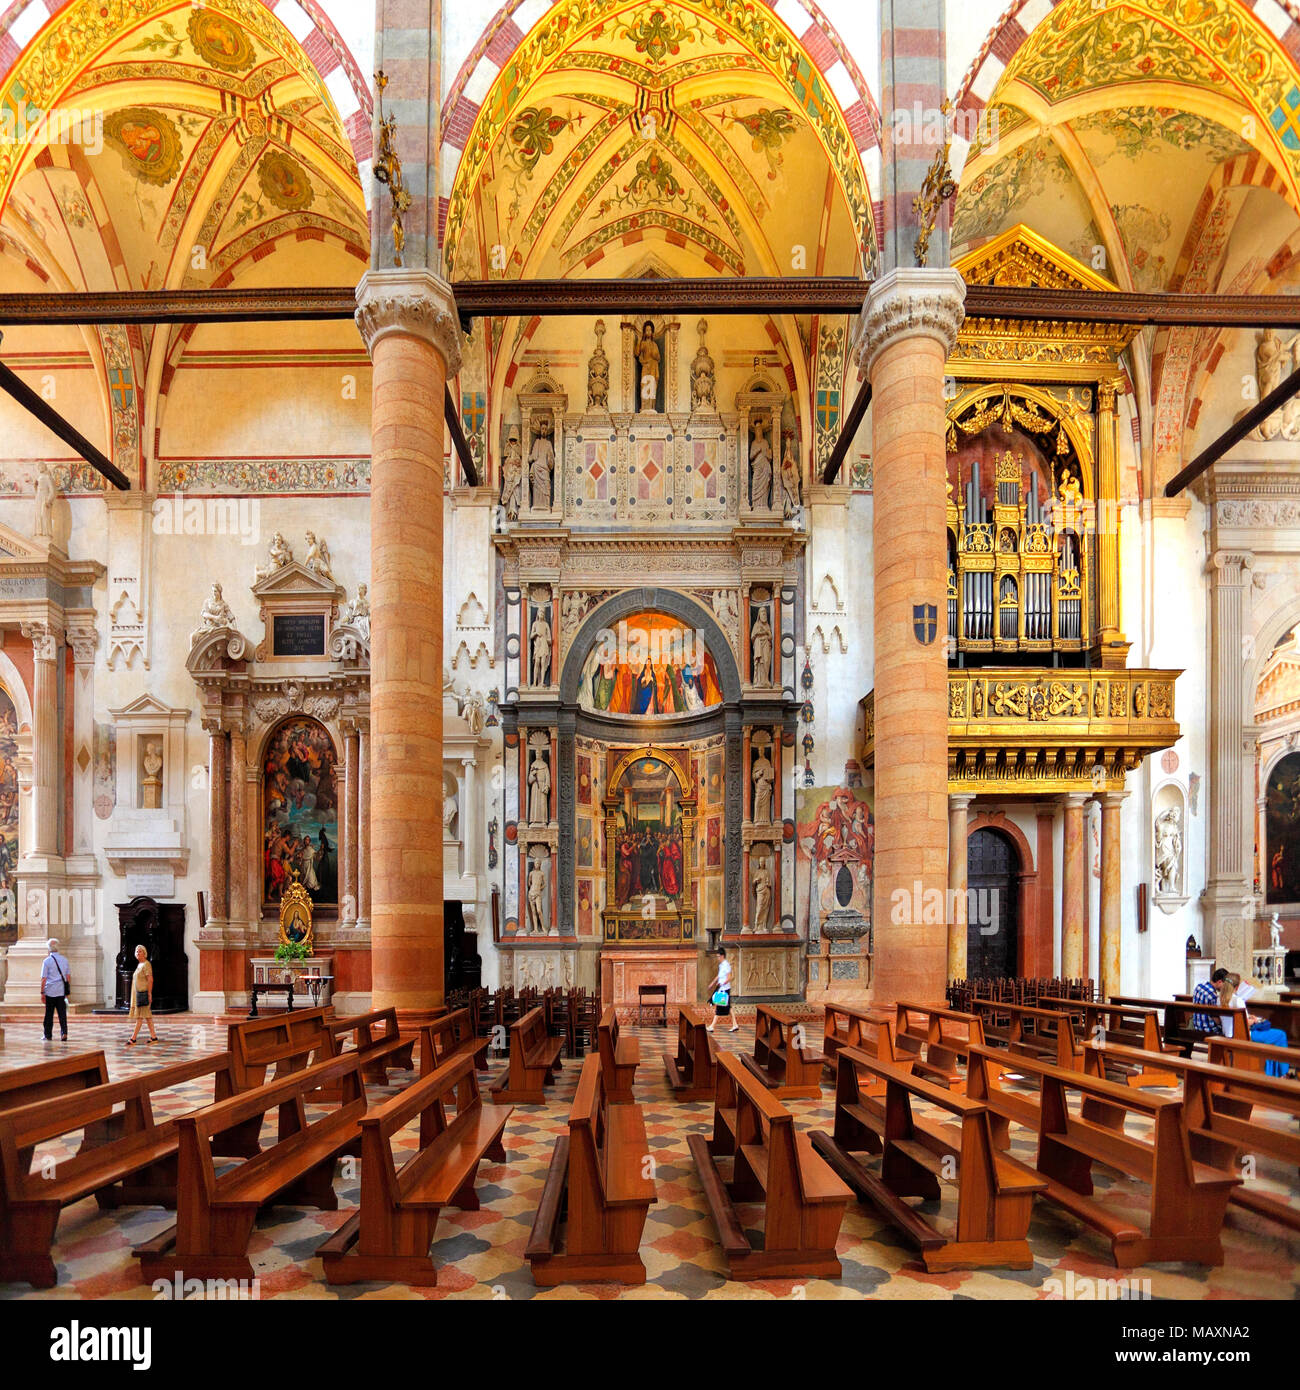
pixel 1111 861
pixel 1073 887
pixel 351 790
pixel 958 816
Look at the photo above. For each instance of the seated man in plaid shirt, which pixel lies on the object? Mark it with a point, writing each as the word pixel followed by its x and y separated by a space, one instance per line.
pixel 1209 992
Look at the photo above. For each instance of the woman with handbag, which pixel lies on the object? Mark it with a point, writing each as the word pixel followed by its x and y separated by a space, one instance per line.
pixel 721 992
pixel 142 996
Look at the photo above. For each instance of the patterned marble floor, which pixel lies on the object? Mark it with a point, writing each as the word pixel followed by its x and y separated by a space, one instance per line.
pixel 481 1254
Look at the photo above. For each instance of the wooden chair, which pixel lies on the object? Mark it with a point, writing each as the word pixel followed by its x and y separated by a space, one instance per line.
pixel 1187 1199
pixel 388 1237
pixel 215 1213
pixel 938 1039
pixel 534 1058
pixel 773 1165
pixel 128 1158
pixel 597 1187
pixel 693 1073
pixel 782 1061
pixel 449 1038
pixel 45 1080
pixel 995 1193
pixel 619 1059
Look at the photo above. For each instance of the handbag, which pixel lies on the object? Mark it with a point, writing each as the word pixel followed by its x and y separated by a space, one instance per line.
pixel 720 997
pixel 142 999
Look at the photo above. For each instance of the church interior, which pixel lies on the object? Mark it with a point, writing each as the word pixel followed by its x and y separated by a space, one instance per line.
pixel 649 649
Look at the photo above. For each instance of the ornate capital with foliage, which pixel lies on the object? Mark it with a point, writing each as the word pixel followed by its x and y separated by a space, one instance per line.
pixel 907 302
pixel 413 302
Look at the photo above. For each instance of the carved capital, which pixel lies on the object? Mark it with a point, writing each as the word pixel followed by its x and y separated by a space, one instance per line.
pixel 1231 566
pixel 45 639
pixel 413 302
pixel 908 302
pixel 83 641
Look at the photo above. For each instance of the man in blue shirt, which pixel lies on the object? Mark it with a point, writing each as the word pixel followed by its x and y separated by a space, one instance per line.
pixel 1208 992
pixel 56 981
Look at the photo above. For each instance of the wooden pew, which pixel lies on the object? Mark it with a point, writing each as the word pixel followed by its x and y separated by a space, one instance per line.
pixel 938 1040
pixel 1187 1199
pixel 215 1213
pixel 597 1186
pixel 279 1044
pixel 1178 1013
pixel 773 1164
pixel 1250 1056
pixel 995 1193
pixel 1277 1013
pixel 693 1073
pixel 388 1237
pixel 127 1158
pixel 1030 1031
pixel 619 1058
pixel 1125 1025
pixel 1218 1105
pixel 377 1041
pixel 449 1038
pixel 782 1061
pixel 847 1026
pixel 45 1080
pixel 534 1057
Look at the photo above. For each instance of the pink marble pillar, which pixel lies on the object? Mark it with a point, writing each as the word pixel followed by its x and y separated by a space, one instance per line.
pixel 1111 804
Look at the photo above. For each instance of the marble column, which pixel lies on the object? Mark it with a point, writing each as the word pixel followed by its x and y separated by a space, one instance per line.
pixel 1040 961
pixel 351 789
pixel 907 329
pixel 1114 648
pixel 237 860
pixel 47 746
pixel 1073 869
pixel 408 322
pixel 83 639
pixel 218 862
pixel 1111 802
pixel 363 828
pixel 958 808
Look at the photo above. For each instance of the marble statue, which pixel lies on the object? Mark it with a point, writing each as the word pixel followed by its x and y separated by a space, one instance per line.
pixel 791 483
pixel 760 467
pixel 1271 355
pixel 539 790
pixel 1275 932
pixel 318 556
pixel 1169 850
pixel 46 492
pixel 760 648
pixel 512 478
pixel 536 898
pixel 598 373
pixel 760 876
pixel 216 614
pixel 647 354
pixel 539 637
pixel 541 462
pixel 151 786
pixel 357 613
pixel 474 712
pixel 763 775
pixel 449 811
pixel 277 556
pixel 703 376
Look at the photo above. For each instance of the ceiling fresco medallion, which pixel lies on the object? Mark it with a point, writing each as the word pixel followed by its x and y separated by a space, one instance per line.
pixel 220 41
pixel 285 182
pixel 149 143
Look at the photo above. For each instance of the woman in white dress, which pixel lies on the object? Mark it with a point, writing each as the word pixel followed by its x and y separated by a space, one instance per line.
pixel 142 996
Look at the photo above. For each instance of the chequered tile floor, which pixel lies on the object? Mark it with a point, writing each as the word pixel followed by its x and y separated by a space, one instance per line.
pixel 481 1254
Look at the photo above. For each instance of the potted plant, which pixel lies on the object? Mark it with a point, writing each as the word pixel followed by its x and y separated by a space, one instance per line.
pixel 289 952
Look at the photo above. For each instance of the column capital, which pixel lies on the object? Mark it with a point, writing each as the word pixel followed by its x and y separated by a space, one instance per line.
pixel 413 302
pixel 960 801
pixel 46 638
pixel 1076 801
pixel 83 640
pixel 1112 801
pixel 908 302
pixel 1230 566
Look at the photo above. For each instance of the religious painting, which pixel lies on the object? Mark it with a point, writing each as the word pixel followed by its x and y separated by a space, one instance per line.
pixel 285 182
pixel 1282 831
pixel 104 792
pixel 835 845
pixel 220 41
pixel 585 890
pixel 300 828
pixel 650 665
pixel 648 850
pixel 147 140
pixel 8 820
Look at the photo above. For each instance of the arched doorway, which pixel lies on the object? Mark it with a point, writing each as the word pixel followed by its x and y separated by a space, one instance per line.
pixel 993 905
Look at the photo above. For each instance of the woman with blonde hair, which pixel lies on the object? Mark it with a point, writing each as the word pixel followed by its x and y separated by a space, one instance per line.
pixel 142 996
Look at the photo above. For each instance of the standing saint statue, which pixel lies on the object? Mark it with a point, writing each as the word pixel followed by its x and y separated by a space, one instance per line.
pixel 760 467
pixel 791 483
pixel 541 463
pixel 539 791
pixel 536 898
pixel 763 777
pixel 1270 359
pixel 647 354
pixel 760 875
pixel 46 492
pixel 760 648
pixel 540 639
pixel 512 478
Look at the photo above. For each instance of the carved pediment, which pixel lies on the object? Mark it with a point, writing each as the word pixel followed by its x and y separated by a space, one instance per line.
pixel 147 707
pixel 1021 258
pixel 295 580
pixel 15 546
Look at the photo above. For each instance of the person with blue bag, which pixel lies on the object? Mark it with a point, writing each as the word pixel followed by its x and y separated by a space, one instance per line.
pixel 721 990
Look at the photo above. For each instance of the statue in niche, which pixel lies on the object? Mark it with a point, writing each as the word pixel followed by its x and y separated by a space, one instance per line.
pixel 703 377
pixel 512 478
pixel 537 892
pixel 277 556
pixel 474 712
pixel 318 556
pixel 760 647
pixel 46 492
pixel 598 373
pixel 1271 355
pixel 541 462
pixel 216 614
pixel 1071 492
pixel 791 483
pixel 357 613
pixel 760 467
pixel 539 790
pixel 450 810
pixel 763 776
pixel 151 785
pixel 760 876
pixel 647 356
pixel 539 637
pixel 1169 850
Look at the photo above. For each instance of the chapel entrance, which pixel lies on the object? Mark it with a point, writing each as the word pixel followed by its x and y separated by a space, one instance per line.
pixel 993 906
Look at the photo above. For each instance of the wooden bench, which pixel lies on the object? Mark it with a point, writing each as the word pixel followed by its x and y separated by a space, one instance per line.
pixel 1126 1026
pixel 279 1044
pixel 938 1039
pixel 693 1073
pixel 773 1164
pixel 127 1158
pixel 995 1193
pixel 377 1041
pixel 845 1025
pixel 389 1236
pixel 45 1080
pixel 1187 1199
pixel 619 1058
pixel 1030 1031
pixel 1277 1013
pixel 215 1213
pixel 782 1061
pixel 1178 1015
pixel 1250 1056
pixel 597 1187
pixel 449 1038
pixel 534 1058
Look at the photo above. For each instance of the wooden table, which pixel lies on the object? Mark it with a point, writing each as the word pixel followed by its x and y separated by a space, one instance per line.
pixel 286 989
pixel 652 992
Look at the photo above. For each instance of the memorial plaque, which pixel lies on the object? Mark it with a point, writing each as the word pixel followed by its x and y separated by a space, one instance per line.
pixel 299 634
